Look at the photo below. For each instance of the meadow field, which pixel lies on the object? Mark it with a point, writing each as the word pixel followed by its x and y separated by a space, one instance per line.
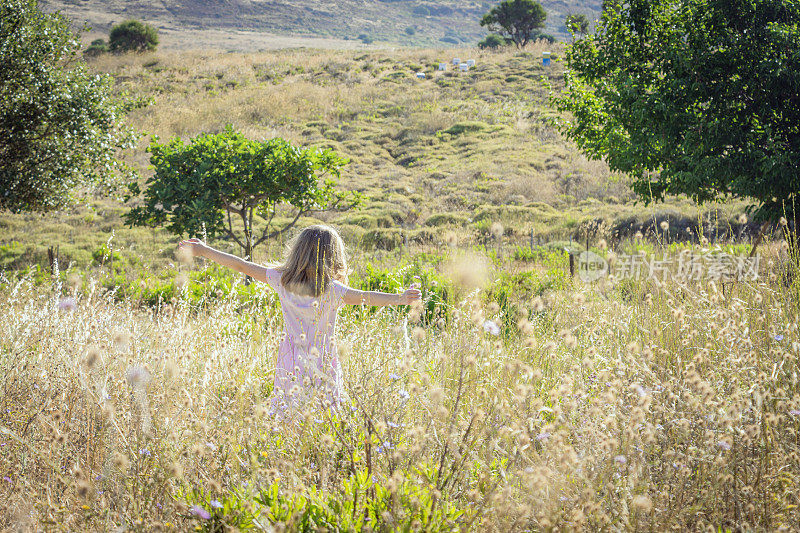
pixel 517 397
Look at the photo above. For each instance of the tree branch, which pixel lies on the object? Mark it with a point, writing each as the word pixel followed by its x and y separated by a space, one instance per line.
pixel 284 229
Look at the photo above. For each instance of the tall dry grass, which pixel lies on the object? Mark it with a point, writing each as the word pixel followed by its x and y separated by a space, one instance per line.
pixel 618 406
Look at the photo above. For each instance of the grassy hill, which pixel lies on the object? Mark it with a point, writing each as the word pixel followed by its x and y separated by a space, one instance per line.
pixel 452 154
pixel 406 22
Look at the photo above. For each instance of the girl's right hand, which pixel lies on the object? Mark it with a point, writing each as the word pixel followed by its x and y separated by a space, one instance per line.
pixel 194 246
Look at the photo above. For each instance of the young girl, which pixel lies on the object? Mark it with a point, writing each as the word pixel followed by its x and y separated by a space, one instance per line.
pixel 311 286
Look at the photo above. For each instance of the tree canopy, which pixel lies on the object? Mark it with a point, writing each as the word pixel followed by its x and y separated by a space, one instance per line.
pixel 226 184
pixel 693 97
pixel 59 128
pixel 577 23
pixel 520 21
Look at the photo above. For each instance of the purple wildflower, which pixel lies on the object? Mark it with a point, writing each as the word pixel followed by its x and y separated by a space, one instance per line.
pixel 491 327
pixel 67 304
pixel 215 504
pixel 199 511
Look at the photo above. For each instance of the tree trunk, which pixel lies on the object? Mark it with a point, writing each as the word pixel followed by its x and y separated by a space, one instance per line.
pixel 758 238
pixel 248 256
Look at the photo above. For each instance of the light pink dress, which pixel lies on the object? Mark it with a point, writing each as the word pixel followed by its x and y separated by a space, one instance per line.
pixel 307 360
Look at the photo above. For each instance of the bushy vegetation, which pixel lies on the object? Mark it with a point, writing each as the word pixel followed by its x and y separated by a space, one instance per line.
pixel 59 123
pixel 132 36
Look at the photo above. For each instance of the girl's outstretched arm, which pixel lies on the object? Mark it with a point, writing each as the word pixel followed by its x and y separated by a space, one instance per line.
pixel 379 299
pixel 196 247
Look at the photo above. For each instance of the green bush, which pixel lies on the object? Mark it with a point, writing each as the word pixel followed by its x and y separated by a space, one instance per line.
pixel 466 127
pixel 437 291
pixel 98 47
pixel 357 505
pixel 384 238
pixel 492 42
pixel 446 219
pixel 132 36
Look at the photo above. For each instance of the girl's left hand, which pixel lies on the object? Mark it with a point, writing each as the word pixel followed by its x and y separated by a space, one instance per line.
pixel 411 295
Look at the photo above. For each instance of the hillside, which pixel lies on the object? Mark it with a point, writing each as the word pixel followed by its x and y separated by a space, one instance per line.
pixel 412 22
pixel 452 154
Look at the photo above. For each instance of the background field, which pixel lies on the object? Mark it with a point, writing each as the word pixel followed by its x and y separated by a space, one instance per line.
pixel 415 23
pixel 454 153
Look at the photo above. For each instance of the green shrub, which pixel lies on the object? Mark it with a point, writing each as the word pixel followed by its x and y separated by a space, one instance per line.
pixel 466 127
pixel 132 36
pixel 98 47
pixel 437 291
pixel 384 238
pixel 446 219
pixel 492 42
pixel 513 293
pixel 357 505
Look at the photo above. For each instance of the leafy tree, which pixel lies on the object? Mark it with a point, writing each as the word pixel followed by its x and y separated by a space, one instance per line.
pixel 492 42
pixel 518 20
pixel 577 23
pixel 693 97
pixel 202 186
pixel 132 36
pixel 59 128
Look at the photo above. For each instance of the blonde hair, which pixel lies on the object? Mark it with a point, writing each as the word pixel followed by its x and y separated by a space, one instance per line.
pixel 314 258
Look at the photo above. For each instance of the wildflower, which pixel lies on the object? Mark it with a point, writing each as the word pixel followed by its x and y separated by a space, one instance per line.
pixel 67 304
pixel 200 512
pixel 778 337
pixel 724 445
pixel 215 504
pixel 137 376
pixel 491 327
pixel 7 479
pixel 497 230
pixel 642 503
pixel 620 459
pixel 794 412
pixel 544 435
pixel 403 394
pixel 664 225
pixel 394 376
pixel 92 357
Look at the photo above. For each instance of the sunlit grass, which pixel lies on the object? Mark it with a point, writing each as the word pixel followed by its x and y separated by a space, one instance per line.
pixel 632 405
